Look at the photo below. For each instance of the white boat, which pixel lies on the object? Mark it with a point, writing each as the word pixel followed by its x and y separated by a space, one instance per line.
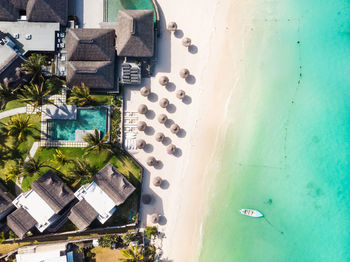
pixel 251 213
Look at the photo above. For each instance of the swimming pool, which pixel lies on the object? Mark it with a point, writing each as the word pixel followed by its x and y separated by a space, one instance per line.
pixel 87 119
pixel 113 6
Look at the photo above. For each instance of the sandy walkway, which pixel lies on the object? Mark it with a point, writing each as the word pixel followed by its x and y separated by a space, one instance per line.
pixel 218 46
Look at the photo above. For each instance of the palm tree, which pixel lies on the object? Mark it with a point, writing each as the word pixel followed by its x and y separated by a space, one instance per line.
pixel 96 142
pixel 60 159
pixel 13 169
pixel 34 66
pixel 32 167
pixel 80 95
pixel 6 94
pixel 132 254
pixel 82 170
pixel 54 84
pixel 18 126
pixel 34 94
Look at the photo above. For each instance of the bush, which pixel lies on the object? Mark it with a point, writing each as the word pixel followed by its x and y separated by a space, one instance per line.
pixel 151 231
pixel 108 241
pixel 128 237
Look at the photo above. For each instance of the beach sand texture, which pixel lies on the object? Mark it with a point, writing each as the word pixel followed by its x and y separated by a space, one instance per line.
pixel 218 30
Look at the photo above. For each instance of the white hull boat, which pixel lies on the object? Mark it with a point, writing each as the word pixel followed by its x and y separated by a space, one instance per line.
pixel 251 213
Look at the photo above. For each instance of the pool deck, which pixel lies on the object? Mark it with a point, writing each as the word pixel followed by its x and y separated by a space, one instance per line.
pixel 65 143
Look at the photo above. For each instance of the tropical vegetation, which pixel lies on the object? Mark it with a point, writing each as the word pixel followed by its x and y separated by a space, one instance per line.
pixel 18 125
pixel 80 96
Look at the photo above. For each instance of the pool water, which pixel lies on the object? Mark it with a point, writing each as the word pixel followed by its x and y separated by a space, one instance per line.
pixel 113 6
pixel 87 119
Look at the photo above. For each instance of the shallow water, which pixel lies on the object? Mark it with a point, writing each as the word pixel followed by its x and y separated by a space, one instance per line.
pixel 287 151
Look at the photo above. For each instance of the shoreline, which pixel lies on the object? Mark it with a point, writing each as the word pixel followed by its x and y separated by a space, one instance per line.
pixel 184 236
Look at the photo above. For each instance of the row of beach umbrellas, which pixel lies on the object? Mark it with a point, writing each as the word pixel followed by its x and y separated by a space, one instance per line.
pixel 172 27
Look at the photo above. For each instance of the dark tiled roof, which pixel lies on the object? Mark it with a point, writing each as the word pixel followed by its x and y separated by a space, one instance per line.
pixel 20 222
pixel 135 33
pixel 5 200
pixel 53 191
pixel 7 11
pixel 94 74
pixel 114 184
pixel 19 4
pixel 82 214
pixel 48 11
pixel 90 44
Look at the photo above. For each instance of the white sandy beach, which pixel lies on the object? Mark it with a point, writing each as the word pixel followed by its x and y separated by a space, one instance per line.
pixel 218 31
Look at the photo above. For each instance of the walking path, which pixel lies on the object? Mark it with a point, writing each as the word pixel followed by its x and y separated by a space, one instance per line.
pixel 19 110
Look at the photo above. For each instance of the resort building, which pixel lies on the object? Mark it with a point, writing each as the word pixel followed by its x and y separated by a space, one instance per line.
pixel 42 206
pixel 28 26
pixel 91 59
pixel 58 252
pixel 6 205
pixel 100 198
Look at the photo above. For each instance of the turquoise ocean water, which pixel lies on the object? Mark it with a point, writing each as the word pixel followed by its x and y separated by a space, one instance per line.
pixel 287 153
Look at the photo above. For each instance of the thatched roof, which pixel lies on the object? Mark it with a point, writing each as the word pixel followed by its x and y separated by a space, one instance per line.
pixel 7 11
pixel 155 218
pixel 19 4
pixel 145 91
pixel 157 181
pixel 140 143
pixel 95 75
pixel 159 136
pixel 171 149
pixel 142 109
pixel 114 184
pixel 174 128
pixel 186 41
pixel 162 118
pixel 163 80
pixel 20 222
pixel 82 214
pixel 48 11
pixel 141 125
pixel 5 200
pixel 180 94
pixel 90 44
pixel 164 102
pixel 184 73
pixel 172 26
pixel 53 191
pixel 135 33
pixel 151 161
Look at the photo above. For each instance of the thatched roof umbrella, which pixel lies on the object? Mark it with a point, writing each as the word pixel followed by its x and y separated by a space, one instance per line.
pixel 180 94
pixel 163 80
pixel 162 118
pixel 145 91
pixel 140 143
pixel 141 125
pixel 164 102
pixel 146 199
pixel 159 137
pixel 174 128
pixel 157 181
pixel 184 73
pixel 171 149
pixel 186 41
pixel 142 109
pixel 155 218
pixel 172 26
pixel 151 161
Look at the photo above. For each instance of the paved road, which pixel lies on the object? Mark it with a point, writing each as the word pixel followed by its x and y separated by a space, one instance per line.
pixel 7 113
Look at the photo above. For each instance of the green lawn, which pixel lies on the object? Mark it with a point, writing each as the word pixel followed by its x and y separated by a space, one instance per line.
pixel 122 162
pixel 103 99
pixel 23 148
pixel 13 104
